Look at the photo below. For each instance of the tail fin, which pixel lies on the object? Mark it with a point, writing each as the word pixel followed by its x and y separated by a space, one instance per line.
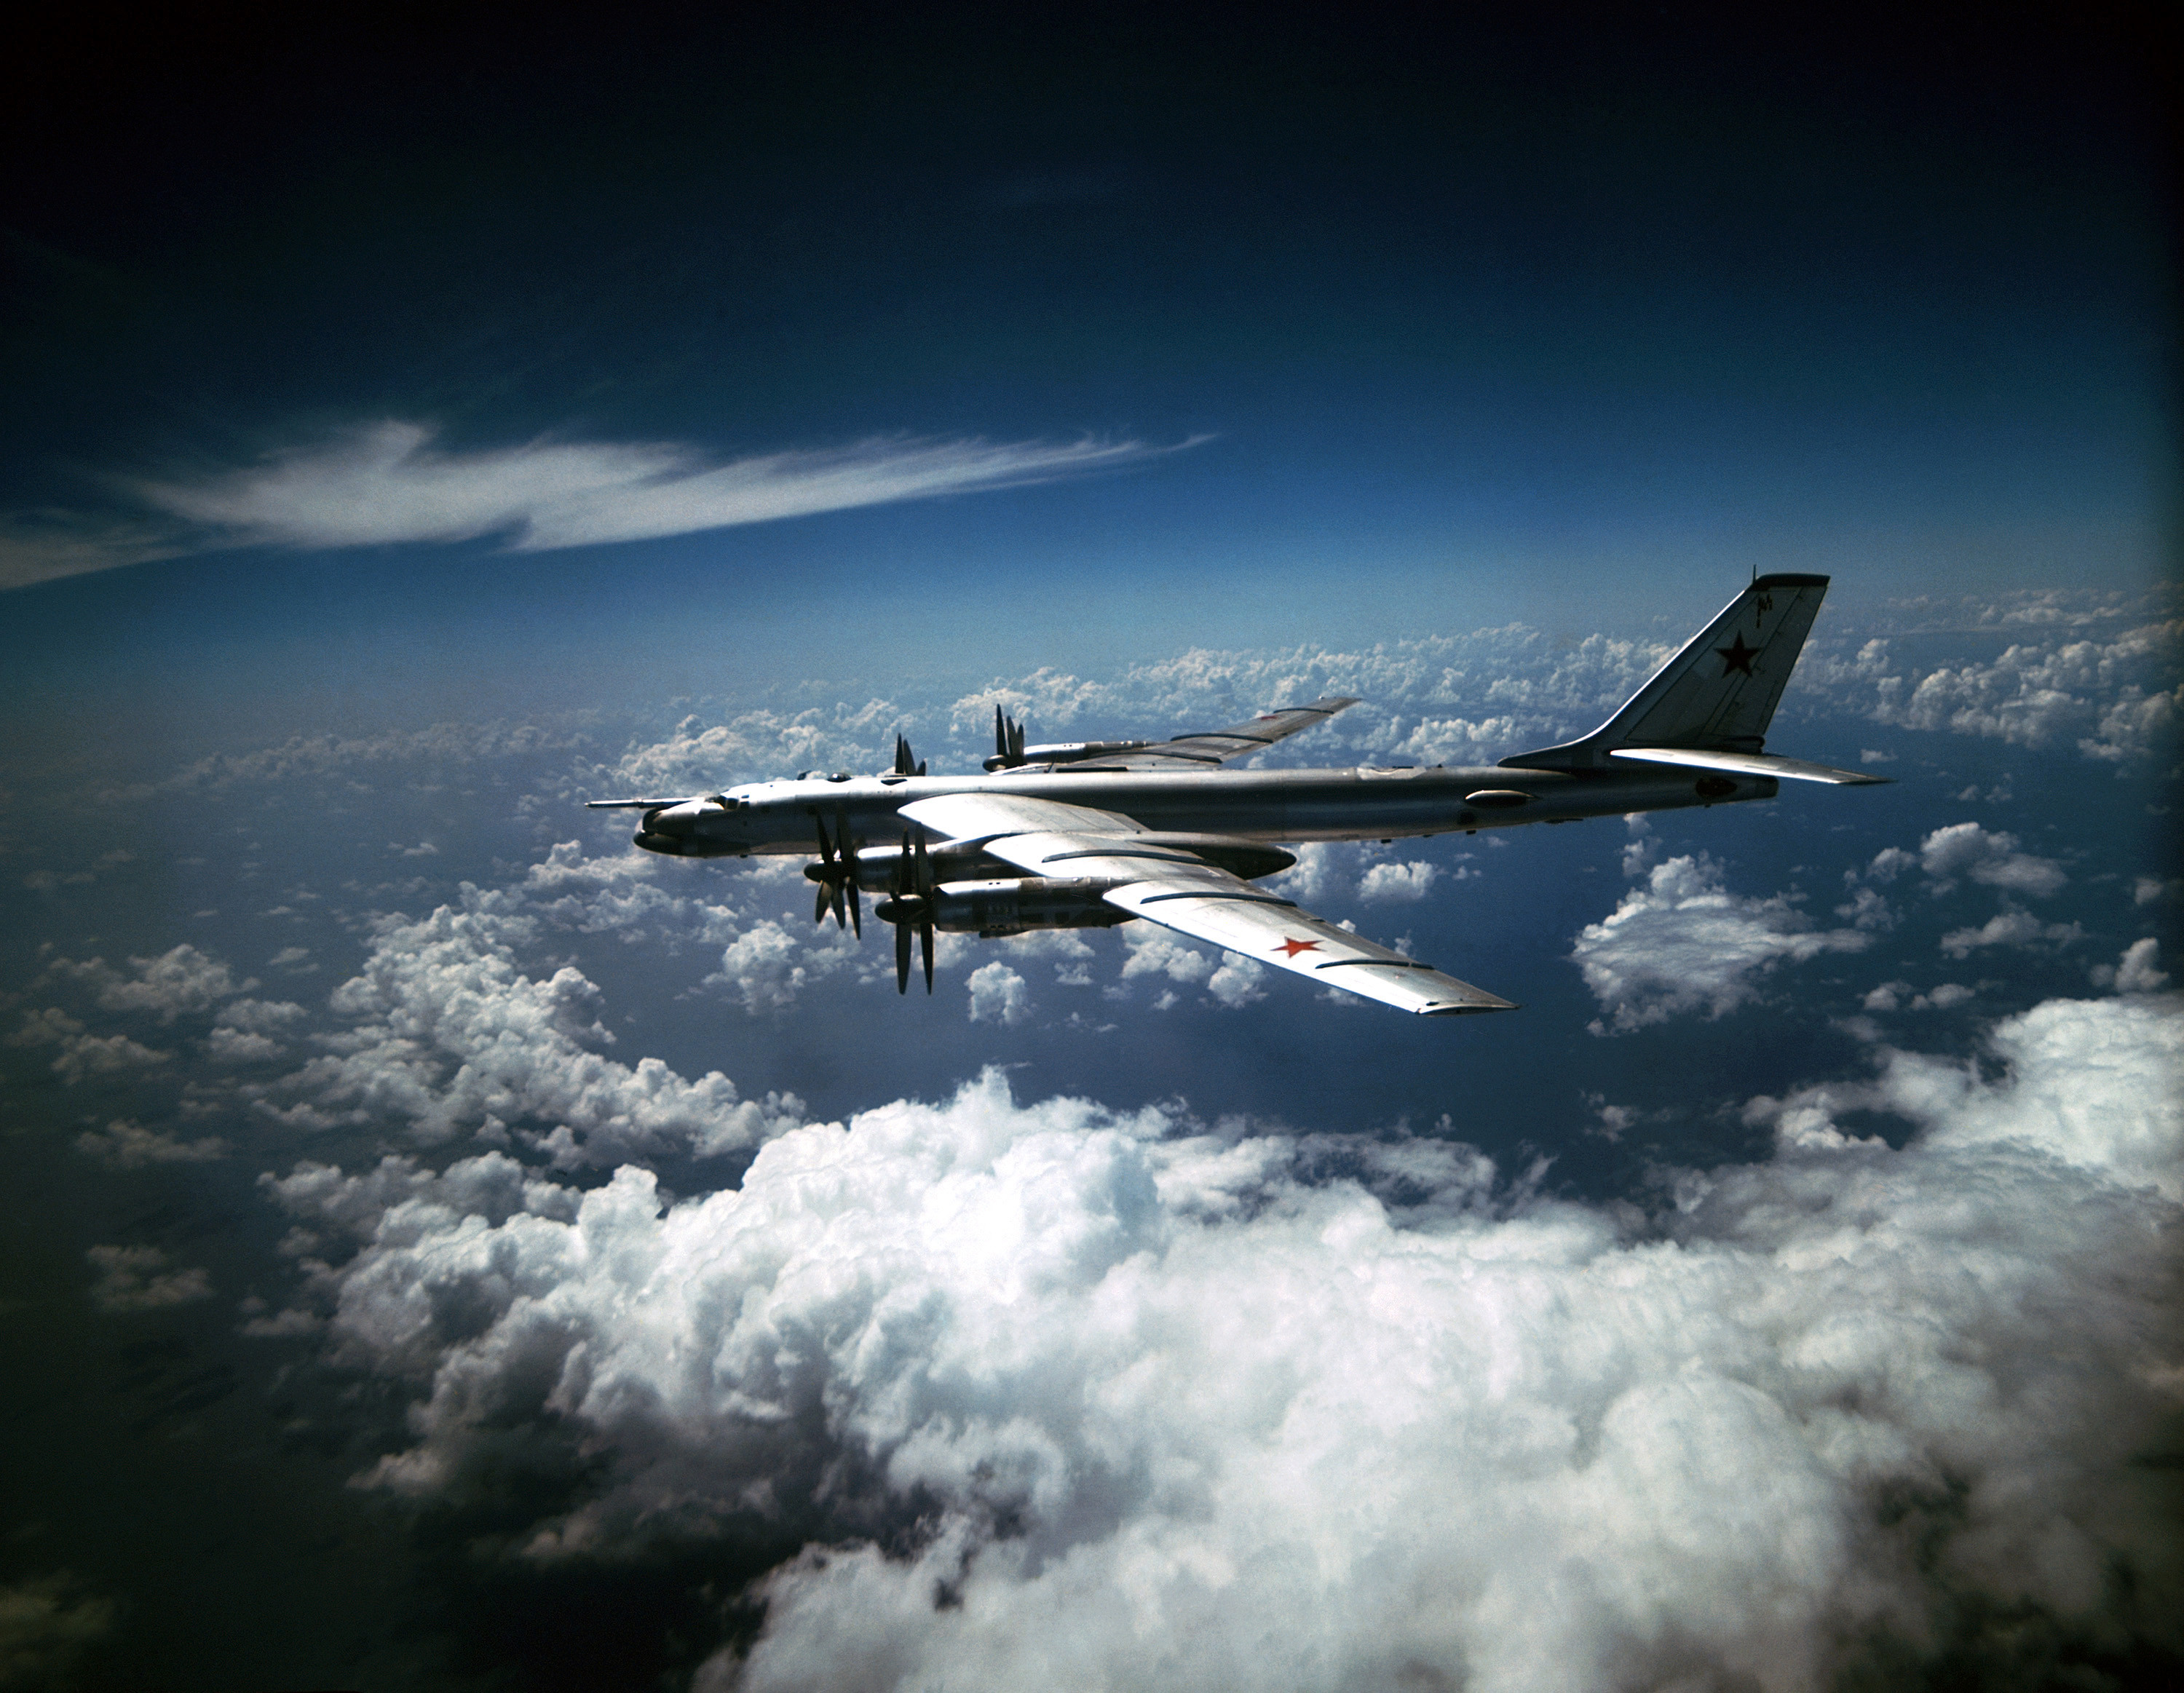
pixel 1720 692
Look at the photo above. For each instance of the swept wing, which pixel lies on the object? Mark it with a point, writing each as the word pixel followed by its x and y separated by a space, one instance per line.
pixel 1201 749
pixel 1177 890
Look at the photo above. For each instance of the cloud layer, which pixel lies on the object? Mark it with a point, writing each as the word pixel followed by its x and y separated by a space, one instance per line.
pixel 1138 1405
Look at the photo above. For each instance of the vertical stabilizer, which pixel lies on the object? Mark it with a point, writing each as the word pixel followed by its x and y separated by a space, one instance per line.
pixel 1719 692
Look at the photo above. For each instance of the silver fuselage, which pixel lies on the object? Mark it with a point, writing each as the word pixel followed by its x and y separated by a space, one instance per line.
pixel 1358 803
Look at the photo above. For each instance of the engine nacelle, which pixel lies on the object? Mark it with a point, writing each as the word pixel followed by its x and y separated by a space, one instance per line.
pixel 1010 905
pixel 1065 752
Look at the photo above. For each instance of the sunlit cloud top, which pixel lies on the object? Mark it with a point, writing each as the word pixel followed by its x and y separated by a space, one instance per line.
pixel 387 483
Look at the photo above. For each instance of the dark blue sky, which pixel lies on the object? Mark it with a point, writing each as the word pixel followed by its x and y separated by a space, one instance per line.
pixel 1499 310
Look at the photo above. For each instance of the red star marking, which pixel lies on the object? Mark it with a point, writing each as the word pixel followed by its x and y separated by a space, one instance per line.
pixel 1293 947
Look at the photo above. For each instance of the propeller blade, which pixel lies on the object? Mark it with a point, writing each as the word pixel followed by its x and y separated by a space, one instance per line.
pixel 841 871
pixel 826 851
pixel 1001 733
pixel 819 906
pixel 902 958
pixel 925 948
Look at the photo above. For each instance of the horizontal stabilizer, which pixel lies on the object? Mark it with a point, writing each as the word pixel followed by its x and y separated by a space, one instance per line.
pixel 1745 764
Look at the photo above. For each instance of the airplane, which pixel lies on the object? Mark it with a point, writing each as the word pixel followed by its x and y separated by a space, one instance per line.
pixel 1088 834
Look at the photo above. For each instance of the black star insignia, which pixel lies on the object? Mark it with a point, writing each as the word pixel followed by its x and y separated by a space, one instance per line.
pixel 1738 656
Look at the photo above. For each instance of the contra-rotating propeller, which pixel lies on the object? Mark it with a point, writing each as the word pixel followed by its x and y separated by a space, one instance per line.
pixel 836 873
pixel 906 763
pixel 909 903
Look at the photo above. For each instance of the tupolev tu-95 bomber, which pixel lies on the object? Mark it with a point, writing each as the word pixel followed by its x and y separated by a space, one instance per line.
pixel 1090 834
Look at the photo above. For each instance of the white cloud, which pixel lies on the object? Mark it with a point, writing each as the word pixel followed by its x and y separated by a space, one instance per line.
pixel 2116 699
pixel 1403 883
pixel 2011 926
pixel 1891 862
pixel 449 1034
pixel 1681 942
pixel 1153 951
pixel 1143 1406
pixel 2135 971
pixel 82 1055
pixel 182 979
pixel 1522 690
pixel 137 1279
pixel 1966 849
pixel 998 994
pixel 1239 981
pixel 771 963
pixel 1321 868
pixel 258 1016
pixel 1231 982
pixel 388 483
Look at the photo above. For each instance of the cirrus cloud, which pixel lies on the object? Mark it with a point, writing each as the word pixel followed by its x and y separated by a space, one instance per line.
pixel 389 483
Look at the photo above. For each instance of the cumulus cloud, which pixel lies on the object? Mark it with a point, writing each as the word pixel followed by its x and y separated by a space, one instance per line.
pixel 998 994
pixel 1403 883
pixel 2117 700
pixel 1891 996
pixel 137 1279
pixel 2011 926
pixel 125 1146
pixel 449 1034
pixel 770 964
pixel 2135 971
pixel 1231 980
pixel 180 980
pixel 389 483
pixel 1681 942
pixel 82 1055
pixel 1991 858
pixel 1138 1404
